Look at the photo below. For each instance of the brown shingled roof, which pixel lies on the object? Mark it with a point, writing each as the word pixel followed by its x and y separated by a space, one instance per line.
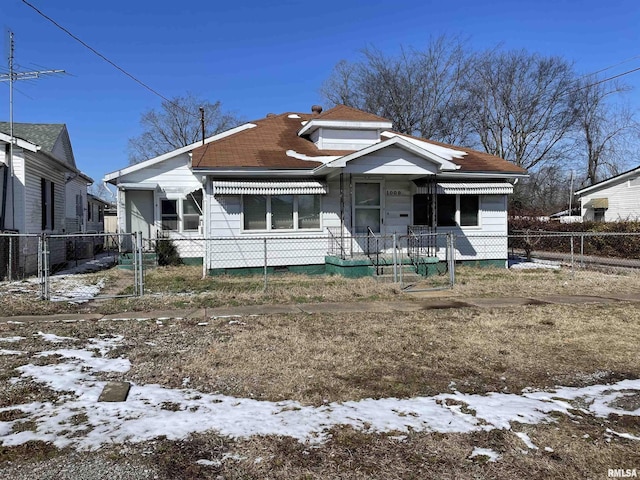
pixel 474 160
pixel 342 112
pixel 263 146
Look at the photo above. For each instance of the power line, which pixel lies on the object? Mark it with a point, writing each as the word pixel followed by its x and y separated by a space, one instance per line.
pixel 605 79
pixel 84 44
pixel 610 66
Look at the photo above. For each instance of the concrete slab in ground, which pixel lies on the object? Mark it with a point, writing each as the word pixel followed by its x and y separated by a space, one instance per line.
pixel 344 307
pixel 115 392
pixel 501 301
pixel 252 310
pixel 58 317
pixel 573 299
pixel 157 315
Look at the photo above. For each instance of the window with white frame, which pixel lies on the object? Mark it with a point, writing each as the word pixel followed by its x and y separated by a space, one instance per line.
pixel 192 211
pixel 182 215
pixel 280 212
pixel 462 210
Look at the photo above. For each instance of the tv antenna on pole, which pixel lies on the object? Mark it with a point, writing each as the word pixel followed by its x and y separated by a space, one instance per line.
pixel 12 77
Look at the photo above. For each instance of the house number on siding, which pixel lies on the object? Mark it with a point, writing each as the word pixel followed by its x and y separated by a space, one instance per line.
pixel 397 193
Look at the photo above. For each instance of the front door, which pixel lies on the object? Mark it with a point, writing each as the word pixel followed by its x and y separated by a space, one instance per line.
pixel 139 208
pixel 367 207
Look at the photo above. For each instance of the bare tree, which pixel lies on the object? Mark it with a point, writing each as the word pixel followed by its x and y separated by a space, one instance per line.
pixel 177 124
pixel 520 109
pixel 605 129
pixel 419 91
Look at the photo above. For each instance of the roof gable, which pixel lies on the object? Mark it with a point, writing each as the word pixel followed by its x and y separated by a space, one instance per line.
pixel 52 138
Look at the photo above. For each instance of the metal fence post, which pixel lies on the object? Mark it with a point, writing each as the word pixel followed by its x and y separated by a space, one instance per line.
pixel 573 272
pixel 395 258
pixel 140 264
pixel 451 258
pixel 265 263
pixel 10 262
pixel 582 250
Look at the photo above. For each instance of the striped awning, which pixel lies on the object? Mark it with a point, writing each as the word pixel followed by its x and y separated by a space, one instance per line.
pixel 269 187
pixel 451 188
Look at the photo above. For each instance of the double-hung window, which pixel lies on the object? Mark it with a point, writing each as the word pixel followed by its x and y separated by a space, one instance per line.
pixel 182 215
pixel 280 212
pixel 462 210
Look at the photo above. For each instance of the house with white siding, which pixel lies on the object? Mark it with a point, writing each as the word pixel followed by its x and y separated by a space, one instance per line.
pixel 41 188
pixel 342 175
pixel 612 200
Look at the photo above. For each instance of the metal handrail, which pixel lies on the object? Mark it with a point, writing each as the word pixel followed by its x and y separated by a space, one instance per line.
pixel 370 234
pixel 337 241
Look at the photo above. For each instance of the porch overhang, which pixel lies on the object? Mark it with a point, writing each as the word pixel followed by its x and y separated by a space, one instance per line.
pixel 137 186
pixel 453 188
pixel 269 187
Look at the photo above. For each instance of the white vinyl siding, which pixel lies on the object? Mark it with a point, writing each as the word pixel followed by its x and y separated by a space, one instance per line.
pixel 391 160
pixel 35 171
pixel 623 201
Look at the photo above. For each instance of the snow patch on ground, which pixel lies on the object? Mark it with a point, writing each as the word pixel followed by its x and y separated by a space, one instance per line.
pixel 521 264
pixel 485 452
pixel 144 416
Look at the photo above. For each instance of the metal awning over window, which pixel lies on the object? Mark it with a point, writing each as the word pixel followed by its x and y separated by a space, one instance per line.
pixel 137 186
pixel 451 188
pixel 175 192
pixel 270 187
pixel 598 203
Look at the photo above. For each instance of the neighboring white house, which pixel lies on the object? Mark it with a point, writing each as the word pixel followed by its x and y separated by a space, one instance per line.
pixel 614 199
pixel 339 173
pixel 41 188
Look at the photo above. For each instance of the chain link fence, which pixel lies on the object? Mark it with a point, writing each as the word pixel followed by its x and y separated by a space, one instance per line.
pixel 51 267
pixel 69 267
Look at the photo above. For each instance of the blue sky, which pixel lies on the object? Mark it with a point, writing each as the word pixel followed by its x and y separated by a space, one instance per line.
pixel 258 57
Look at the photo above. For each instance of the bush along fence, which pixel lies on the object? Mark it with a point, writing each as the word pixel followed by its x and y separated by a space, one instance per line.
pixel 51 261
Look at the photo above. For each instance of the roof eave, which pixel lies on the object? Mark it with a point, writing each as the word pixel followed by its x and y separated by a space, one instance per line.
pixel 111 176
pixel 314 124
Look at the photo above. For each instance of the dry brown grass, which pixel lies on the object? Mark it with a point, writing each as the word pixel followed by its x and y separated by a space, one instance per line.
pixel 184 287
pixel 507 282
pixel 338 357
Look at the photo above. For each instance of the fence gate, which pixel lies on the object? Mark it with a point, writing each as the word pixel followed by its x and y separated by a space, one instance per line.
pixel 80 267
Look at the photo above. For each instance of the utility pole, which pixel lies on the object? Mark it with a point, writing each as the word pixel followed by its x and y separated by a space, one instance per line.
pixel 12 77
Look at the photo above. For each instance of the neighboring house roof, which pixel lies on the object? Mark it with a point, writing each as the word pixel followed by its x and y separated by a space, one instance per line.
pixel 50 138
pixel 634 172
pixel 45 135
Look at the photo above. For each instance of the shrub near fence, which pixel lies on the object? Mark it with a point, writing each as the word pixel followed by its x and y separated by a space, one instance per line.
pixel 610 239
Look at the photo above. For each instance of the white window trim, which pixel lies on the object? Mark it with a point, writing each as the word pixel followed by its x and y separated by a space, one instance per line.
pixel 180 214
pixel 457 215
pixel 269 228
